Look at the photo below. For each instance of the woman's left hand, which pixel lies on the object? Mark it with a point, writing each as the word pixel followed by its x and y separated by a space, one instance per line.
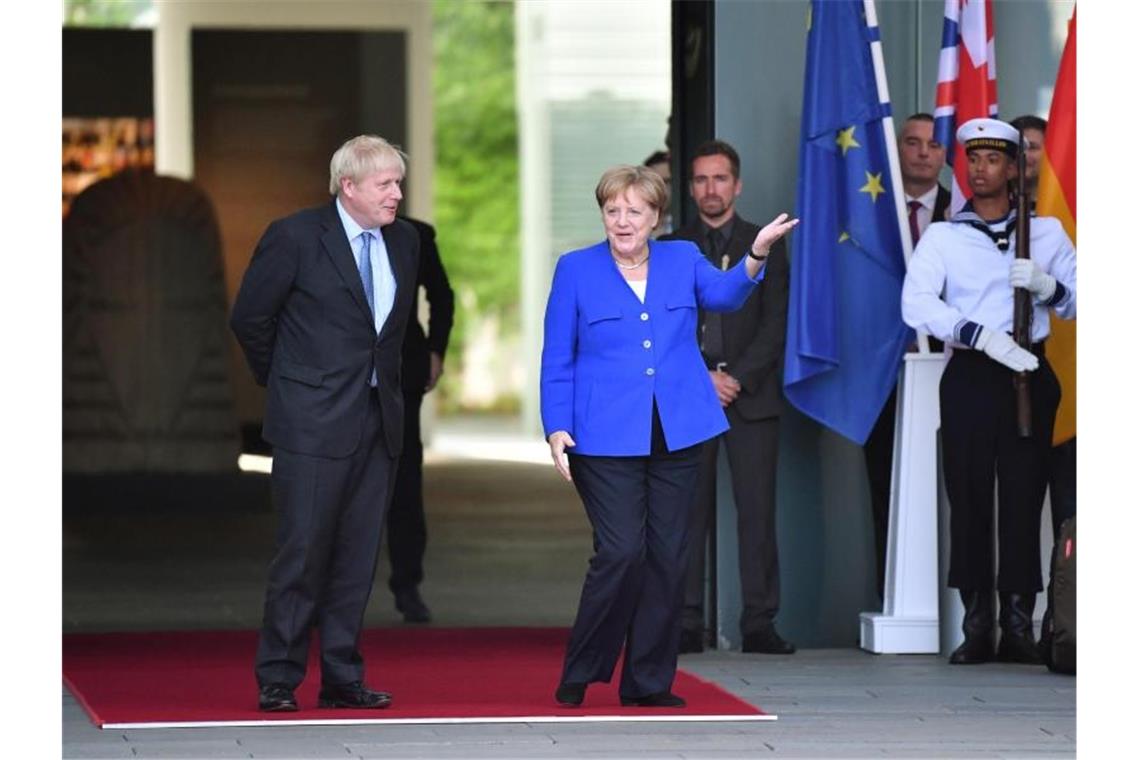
pixel 772 232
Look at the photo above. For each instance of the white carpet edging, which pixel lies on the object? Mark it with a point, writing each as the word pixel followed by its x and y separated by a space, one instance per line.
pixel 415 721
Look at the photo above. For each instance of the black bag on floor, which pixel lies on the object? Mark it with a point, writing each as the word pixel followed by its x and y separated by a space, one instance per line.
pixel 1059 629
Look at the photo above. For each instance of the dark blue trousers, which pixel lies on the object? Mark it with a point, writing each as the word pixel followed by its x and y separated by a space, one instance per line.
pixel 640 509
pixel 330 517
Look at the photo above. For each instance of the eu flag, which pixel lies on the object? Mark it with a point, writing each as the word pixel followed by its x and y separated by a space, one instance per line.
pixel 846 336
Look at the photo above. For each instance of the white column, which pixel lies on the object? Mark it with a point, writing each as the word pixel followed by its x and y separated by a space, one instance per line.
pixel 909 620
pixel 535 266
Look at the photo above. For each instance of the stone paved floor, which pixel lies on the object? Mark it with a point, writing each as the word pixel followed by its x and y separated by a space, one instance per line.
pixel 508 547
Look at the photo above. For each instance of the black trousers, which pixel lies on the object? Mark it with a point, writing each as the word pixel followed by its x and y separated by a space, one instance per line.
pixel 979 440
pixel 330 518
pixel 639 508
pixel 752 447
pixel 878 455
pixel 407 527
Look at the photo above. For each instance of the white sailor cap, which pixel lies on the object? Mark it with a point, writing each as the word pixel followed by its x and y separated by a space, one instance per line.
pixel 989 133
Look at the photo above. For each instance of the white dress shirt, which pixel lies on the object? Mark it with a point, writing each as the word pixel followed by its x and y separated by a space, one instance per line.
pixel 924 214
pixel 383 279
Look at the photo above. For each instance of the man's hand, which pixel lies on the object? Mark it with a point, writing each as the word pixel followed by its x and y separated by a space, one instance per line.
pixel 727 387
pixel 435 370
pixel 1004 350
pixel 1025 273
pixel 559 441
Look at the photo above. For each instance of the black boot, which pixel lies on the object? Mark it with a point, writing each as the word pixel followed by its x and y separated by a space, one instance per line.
pixel 1017 643
pixel 978 625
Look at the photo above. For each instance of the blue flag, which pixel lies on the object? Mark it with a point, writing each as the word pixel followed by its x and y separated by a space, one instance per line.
pixel 846 336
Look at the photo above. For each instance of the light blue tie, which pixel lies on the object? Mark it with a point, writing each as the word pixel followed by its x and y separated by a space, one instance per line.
pixel 366 272
pixel 366 278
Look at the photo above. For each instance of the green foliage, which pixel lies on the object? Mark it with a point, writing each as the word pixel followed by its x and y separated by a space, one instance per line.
pixel 103 12
pixel 476 176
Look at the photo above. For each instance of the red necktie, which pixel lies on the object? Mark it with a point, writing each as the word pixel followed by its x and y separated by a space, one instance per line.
pixel 914 206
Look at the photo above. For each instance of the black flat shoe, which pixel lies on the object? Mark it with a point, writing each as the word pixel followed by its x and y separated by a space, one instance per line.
pixel 276 697
pixel 660 699
pixel 353 695
pixel 570 694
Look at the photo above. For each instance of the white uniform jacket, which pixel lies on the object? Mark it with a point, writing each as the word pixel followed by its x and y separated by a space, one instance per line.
pixel 958 281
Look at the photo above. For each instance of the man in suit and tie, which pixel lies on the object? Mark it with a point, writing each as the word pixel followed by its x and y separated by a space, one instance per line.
pixel 321 315
pixel 921 158
pixel 423 366
pixel 743 351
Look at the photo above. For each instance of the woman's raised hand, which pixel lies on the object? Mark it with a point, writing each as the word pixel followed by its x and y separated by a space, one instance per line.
pixel 772 232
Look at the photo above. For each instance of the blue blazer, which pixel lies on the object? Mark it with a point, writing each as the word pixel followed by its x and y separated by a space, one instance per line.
pixel 606 356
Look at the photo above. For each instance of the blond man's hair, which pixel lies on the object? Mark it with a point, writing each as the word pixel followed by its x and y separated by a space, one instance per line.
pixel 361 156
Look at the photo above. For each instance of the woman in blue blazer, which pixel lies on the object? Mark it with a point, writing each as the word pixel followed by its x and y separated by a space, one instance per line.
pixel 626 399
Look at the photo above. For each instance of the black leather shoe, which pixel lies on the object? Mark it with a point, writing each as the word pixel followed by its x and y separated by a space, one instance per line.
pixel 973 651
pixel 1017 643
pixel 660 699
pixel 1019 649
pixel 354 695
pixel 276 697
pixel 692 642
pixel 978 626
pixel 570 694
pixel 412 606
pixel 766 641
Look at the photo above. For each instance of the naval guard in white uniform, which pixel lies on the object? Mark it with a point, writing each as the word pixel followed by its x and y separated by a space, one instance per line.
pixel 959 287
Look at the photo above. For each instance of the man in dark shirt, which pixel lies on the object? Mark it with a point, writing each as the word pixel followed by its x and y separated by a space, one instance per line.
pixel 743 351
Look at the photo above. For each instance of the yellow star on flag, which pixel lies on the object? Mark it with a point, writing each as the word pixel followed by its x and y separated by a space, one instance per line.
pixel 844 237
pixel 874 185
pixel 846 139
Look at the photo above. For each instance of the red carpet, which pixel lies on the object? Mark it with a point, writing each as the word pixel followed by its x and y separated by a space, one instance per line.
pixel 434 675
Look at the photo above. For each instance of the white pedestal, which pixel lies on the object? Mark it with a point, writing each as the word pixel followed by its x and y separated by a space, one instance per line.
pixel 908 623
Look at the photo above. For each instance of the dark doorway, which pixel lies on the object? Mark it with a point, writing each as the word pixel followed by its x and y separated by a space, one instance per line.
pixel 270 107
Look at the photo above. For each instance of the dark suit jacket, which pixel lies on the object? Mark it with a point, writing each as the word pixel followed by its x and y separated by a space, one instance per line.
pixel 303 321
pixel 441 312
pixel 754 335
pixel 941 204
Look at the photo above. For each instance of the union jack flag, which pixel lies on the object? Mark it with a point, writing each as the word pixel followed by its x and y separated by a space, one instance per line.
pixel 967 82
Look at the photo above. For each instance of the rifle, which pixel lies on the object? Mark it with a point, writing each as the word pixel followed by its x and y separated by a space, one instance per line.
pixel 1022 300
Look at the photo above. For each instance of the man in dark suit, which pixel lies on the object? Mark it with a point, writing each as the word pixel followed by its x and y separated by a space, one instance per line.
pixel 321 315
pixel 921 158
pixel 423 365
pixel 743 352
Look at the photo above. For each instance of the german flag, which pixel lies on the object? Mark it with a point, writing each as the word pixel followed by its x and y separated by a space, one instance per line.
pixel 1057 196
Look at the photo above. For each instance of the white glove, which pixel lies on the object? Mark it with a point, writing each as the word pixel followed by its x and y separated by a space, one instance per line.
pixel 1024 273
pixel 1004 350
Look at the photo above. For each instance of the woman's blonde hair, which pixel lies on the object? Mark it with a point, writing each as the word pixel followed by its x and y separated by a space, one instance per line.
pixel 648 184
